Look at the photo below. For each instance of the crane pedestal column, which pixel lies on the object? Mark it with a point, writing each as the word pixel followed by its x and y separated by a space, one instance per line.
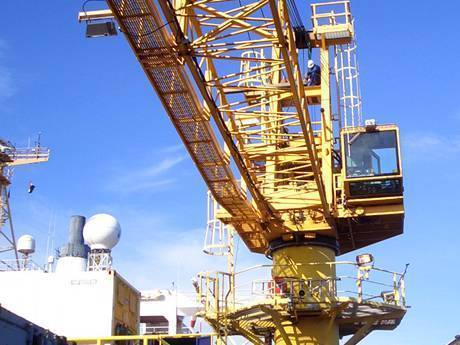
pixel 307 274
pixel 309 331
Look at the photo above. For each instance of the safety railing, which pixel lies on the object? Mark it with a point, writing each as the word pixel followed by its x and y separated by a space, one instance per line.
pixel 155 330
pixel 363 284
pixel 297 290
pixel 152 339
pixel 31 153
pixel 219 236
pixel 214 291
pixel 331 13
pixel 19 265
pixel 163 329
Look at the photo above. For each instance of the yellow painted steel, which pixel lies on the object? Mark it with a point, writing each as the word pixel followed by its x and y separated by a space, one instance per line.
pixel 144 338
pixel 290 262
pixel 289 265
pixel 248 92
pixel 126 305
pixel 308 331
pixel 288 160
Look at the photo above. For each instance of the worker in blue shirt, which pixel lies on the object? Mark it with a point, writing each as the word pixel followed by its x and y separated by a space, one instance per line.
pixel 313 76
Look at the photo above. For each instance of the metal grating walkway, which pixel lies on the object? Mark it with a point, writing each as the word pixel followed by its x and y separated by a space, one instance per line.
pixel 159 57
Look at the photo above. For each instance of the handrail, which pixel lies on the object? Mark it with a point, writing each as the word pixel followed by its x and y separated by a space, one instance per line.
pixel 21 156
pixel 328 3
pixel 213 288
pixel 336 263
pixel 23 264
pixel 329 13
pixel 144 338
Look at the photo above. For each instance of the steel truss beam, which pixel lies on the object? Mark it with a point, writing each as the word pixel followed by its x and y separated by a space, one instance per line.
pixel 247 79
pixel 221 40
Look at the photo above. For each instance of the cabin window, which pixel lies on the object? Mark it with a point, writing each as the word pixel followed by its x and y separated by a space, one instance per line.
pixel 369 154
pixel 376 187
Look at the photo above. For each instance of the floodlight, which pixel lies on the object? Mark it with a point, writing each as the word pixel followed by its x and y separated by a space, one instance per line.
pixel 388 296
pixel 365 260
pixel 100 29
pixel 370 124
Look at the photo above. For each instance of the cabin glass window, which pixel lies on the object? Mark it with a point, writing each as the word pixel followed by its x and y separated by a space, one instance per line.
pixel 369 154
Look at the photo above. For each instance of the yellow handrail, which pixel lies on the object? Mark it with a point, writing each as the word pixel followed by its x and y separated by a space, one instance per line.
pixel 144 338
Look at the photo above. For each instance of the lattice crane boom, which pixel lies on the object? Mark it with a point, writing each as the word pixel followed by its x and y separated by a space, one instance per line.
pixel 251 119
pixel 230 80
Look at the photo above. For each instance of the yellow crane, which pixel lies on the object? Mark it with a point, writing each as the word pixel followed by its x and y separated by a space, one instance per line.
pixel 296 184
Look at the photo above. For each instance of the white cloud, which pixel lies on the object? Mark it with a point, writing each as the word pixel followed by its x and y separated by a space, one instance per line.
pixel 153 177
pixel 430 145
pixel 163 166
pixel 173 148
pixel 158 257
pixel 153 253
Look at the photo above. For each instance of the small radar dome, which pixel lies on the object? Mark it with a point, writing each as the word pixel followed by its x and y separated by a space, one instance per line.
pixel 102 231
pixel 26 244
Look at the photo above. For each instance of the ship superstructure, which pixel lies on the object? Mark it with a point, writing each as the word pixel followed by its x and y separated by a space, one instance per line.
pixel 81 296
pixel 73 298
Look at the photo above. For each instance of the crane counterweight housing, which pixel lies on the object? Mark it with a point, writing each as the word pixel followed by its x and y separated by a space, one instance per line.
pixel 298 177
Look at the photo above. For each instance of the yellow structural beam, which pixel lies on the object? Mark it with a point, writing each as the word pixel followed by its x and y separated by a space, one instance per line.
pixel 287 266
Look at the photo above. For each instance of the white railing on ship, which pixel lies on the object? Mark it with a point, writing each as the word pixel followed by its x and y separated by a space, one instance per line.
pixel 27 153
pixel 19 265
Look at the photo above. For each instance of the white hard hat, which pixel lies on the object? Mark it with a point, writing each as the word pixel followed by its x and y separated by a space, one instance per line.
pixel 310 63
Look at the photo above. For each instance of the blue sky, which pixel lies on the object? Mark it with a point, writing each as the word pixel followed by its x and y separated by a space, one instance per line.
pixel 114 149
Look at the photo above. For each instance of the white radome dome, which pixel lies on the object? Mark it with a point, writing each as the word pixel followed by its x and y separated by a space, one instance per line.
pixel 102 231
pixel 26 244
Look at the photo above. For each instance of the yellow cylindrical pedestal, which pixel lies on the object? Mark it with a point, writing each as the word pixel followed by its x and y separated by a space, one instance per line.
pixel 304 262
pixel 309 331
pixel 299 266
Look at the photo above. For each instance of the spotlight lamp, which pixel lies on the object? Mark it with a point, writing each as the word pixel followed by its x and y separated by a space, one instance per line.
pixel 388 297
pixel 365 260
pixel 370 125
pixel 100 29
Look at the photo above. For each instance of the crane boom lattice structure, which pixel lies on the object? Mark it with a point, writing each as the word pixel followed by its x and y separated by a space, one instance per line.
pixel 297 187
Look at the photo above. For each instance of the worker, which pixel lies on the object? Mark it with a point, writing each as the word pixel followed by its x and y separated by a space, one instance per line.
pixel 313 76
